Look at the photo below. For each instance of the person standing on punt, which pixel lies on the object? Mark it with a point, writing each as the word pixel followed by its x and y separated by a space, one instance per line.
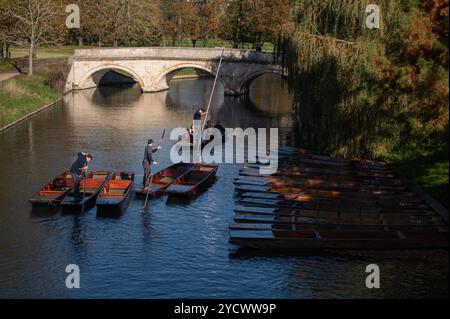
pixel 148 160
pixel 198 130
pixel 199 114
pixel 78 168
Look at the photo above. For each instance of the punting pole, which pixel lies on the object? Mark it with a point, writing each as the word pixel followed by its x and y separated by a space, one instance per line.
pixel 214 85
pixel 84 191
pixel 211 96
pixel 151 175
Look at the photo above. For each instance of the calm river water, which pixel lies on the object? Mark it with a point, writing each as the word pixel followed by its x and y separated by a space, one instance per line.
pixel 174 249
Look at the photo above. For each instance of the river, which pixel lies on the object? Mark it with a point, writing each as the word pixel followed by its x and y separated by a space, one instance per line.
pixel 173 249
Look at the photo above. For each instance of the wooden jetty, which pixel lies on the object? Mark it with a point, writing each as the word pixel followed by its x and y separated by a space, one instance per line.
pixel 315 202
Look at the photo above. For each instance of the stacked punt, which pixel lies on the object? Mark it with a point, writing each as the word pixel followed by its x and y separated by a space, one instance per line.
pixel 317 202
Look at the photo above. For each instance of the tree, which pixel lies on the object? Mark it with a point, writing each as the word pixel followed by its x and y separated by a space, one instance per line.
pixel 32 21
pixel 180 19
pixel 210 13
pixel 255 21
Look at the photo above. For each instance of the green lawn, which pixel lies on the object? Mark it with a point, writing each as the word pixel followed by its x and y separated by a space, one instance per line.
pixel 4 67
pixel 22 95
pixel 191 71
pixel 429 171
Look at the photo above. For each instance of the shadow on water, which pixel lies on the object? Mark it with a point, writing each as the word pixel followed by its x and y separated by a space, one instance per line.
pixel 43 214
pixel 117 93
pixel 113 215
pixel 78 235
pixel 355 255
pixel 248 253
pixel 179 201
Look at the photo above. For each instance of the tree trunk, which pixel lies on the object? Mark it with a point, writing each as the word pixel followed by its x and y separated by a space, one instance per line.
pixel 30 60
pixel 194 42
pixel 80 41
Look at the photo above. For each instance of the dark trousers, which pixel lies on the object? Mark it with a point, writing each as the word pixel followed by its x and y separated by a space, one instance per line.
pixel 147 171
pixel 76 185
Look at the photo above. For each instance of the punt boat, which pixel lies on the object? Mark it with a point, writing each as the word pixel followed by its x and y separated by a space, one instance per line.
pixel 91 186
pixel 199 178
pixel 164 178
pixel 116 193
pixel 53 192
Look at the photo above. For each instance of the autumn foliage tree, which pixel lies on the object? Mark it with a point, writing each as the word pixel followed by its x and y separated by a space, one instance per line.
pixel 255 21
pixel 370 92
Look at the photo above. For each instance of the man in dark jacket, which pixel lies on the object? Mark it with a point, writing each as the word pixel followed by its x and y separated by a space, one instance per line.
pixel 148 160
pixel 199 114
pixel 78 168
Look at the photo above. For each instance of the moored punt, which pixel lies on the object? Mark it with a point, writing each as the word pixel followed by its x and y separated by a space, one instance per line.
pixel 200 177
pixel 341 193
pixel 164 178
pixel 358 221
pixel 115 194
pixel 54 192
pixel 307 196
pixel 338 213
pixel 307 172
pixel 91 186
pixel 339 239
pixel 315 184
pixel 305 175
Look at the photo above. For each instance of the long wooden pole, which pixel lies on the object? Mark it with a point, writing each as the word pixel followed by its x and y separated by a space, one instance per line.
pixel 84 191
pixel 211 97
pixel 214 85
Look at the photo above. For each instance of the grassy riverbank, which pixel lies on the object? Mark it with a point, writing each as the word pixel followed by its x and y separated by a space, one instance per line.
pixel 4 67
pixel 24 94
pixel 428 169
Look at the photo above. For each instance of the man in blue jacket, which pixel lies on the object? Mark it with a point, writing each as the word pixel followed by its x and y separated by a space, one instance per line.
pixel 78 168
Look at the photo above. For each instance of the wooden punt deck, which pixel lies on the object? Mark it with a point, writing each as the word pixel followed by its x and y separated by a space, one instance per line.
pixel 316 202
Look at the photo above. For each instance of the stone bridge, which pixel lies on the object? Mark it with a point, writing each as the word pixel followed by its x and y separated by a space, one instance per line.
pixel 154 67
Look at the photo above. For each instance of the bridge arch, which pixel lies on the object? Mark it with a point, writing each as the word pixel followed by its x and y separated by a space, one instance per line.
pixel 164 77
pixel 244 86
pixel 92 77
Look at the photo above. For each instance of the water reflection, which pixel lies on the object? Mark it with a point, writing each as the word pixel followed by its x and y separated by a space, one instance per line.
pixel 270 94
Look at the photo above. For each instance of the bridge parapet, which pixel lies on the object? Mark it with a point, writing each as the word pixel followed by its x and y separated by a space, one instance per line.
pixel 174 53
